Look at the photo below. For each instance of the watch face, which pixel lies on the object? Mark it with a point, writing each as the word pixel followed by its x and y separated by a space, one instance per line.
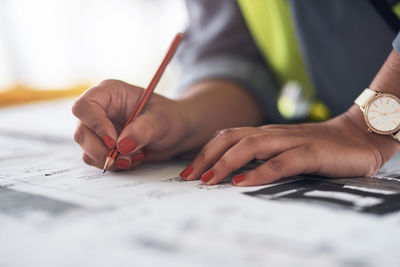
pixel 383 114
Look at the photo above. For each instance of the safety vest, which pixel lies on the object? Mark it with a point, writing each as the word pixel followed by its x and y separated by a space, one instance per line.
pixel 270 24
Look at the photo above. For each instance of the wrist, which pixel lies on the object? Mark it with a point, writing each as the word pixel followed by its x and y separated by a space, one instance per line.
pixel 386 145
pixel 186 117
pixel 356 116
pixel 192 135
pixel 204 107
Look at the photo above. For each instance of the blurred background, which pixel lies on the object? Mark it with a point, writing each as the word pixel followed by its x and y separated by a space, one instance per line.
pixel 53 48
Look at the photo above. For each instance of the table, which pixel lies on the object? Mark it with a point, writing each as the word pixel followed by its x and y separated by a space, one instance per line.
pixel 56 211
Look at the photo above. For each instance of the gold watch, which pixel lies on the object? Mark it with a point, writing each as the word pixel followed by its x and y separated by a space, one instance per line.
pixel 381 112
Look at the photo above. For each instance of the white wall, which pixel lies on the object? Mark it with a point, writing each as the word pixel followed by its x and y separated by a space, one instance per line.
pixel 61 43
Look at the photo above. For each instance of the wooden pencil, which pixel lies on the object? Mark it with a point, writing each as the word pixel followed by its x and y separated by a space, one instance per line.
pixel 145 95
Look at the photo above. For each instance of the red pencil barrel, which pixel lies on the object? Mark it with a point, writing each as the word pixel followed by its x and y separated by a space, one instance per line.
pixel 146 94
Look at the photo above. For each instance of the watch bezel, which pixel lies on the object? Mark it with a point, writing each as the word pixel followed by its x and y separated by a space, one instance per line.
pixel 379 95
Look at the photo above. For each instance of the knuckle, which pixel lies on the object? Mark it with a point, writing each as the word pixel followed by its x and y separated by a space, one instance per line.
pixel 276 165
pixel 97 126
pixel 250 141
pixel 109 82
pixel 201 157
pixel 216 133
pixel 79 134
pixel 260 172
pixel 223 163
pixel 226 133
pixel 78 107
pixel 269 126
pixel 86 159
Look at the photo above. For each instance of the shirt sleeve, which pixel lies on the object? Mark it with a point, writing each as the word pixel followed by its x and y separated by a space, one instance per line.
pixel 396 43
pixel 217 44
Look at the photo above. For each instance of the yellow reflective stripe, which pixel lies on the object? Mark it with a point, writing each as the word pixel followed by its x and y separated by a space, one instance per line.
pixel 270 23
pixel 319 111
pixel 396 10
pixel 286 107
pixel 271 26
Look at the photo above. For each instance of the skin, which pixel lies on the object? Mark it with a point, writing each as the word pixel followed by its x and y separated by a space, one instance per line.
pixel 340 147
pixel 166 127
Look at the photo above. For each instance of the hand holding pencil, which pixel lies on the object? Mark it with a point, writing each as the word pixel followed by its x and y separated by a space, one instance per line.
pixel 109 109
pixel 144 98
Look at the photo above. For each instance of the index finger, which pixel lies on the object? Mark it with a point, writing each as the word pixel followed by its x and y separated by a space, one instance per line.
pixel 91 108
pixel 298 160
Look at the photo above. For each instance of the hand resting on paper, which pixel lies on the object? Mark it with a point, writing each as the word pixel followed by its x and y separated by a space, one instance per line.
pixel 341 147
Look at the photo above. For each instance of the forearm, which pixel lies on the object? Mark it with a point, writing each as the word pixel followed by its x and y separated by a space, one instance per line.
pixel 387 80
pixel 216 104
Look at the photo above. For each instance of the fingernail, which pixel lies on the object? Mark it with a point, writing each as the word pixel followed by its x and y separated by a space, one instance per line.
pixel 126 145
pixel 138 157
pixel 186 172
pixel 108 141
pixel 207 176
pixel 122 163
pixel 238 179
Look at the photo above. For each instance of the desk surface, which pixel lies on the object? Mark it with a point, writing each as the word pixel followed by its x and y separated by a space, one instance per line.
pixel 56 211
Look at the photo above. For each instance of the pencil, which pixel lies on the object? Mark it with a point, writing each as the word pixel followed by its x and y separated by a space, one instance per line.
pixel 145 95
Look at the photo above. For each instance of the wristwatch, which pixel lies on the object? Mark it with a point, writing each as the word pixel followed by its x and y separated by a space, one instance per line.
pixel 381 112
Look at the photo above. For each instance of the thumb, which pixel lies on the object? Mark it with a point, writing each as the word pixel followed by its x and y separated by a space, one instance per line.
pixel 147 128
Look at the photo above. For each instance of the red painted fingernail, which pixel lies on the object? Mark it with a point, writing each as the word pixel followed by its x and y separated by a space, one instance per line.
pixel 126 145
pixel 207 176
pixel 122 163
pixel 138 157
pixel 186 172
pixel 238 179
pixel 108 141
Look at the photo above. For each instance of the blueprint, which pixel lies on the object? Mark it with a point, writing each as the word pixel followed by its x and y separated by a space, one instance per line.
pixel 57 211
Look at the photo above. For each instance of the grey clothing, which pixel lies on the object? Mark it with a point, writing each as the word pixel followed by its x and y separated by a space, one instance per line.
pixel 344 43
pixel 396 43
pixel 217 44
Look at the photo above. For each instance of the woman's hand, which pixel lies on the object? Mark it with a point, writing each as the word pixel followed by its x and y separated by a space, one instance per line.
pixel 341 147
pixel 103 111
pixel 165 128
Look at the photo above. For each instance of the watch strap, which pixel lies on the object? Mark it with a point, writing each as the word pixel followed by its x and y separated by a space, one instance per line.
pixel 363 99
pixel 397 136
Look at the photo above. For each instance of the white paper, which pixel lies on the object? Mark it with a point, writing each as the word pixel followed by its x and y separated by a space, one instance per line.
pixel 56 211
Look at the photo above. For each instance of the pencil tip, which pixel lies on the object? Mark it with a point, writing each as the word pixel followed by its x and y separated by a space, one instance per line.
pixel 109 162
pixel 106 164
